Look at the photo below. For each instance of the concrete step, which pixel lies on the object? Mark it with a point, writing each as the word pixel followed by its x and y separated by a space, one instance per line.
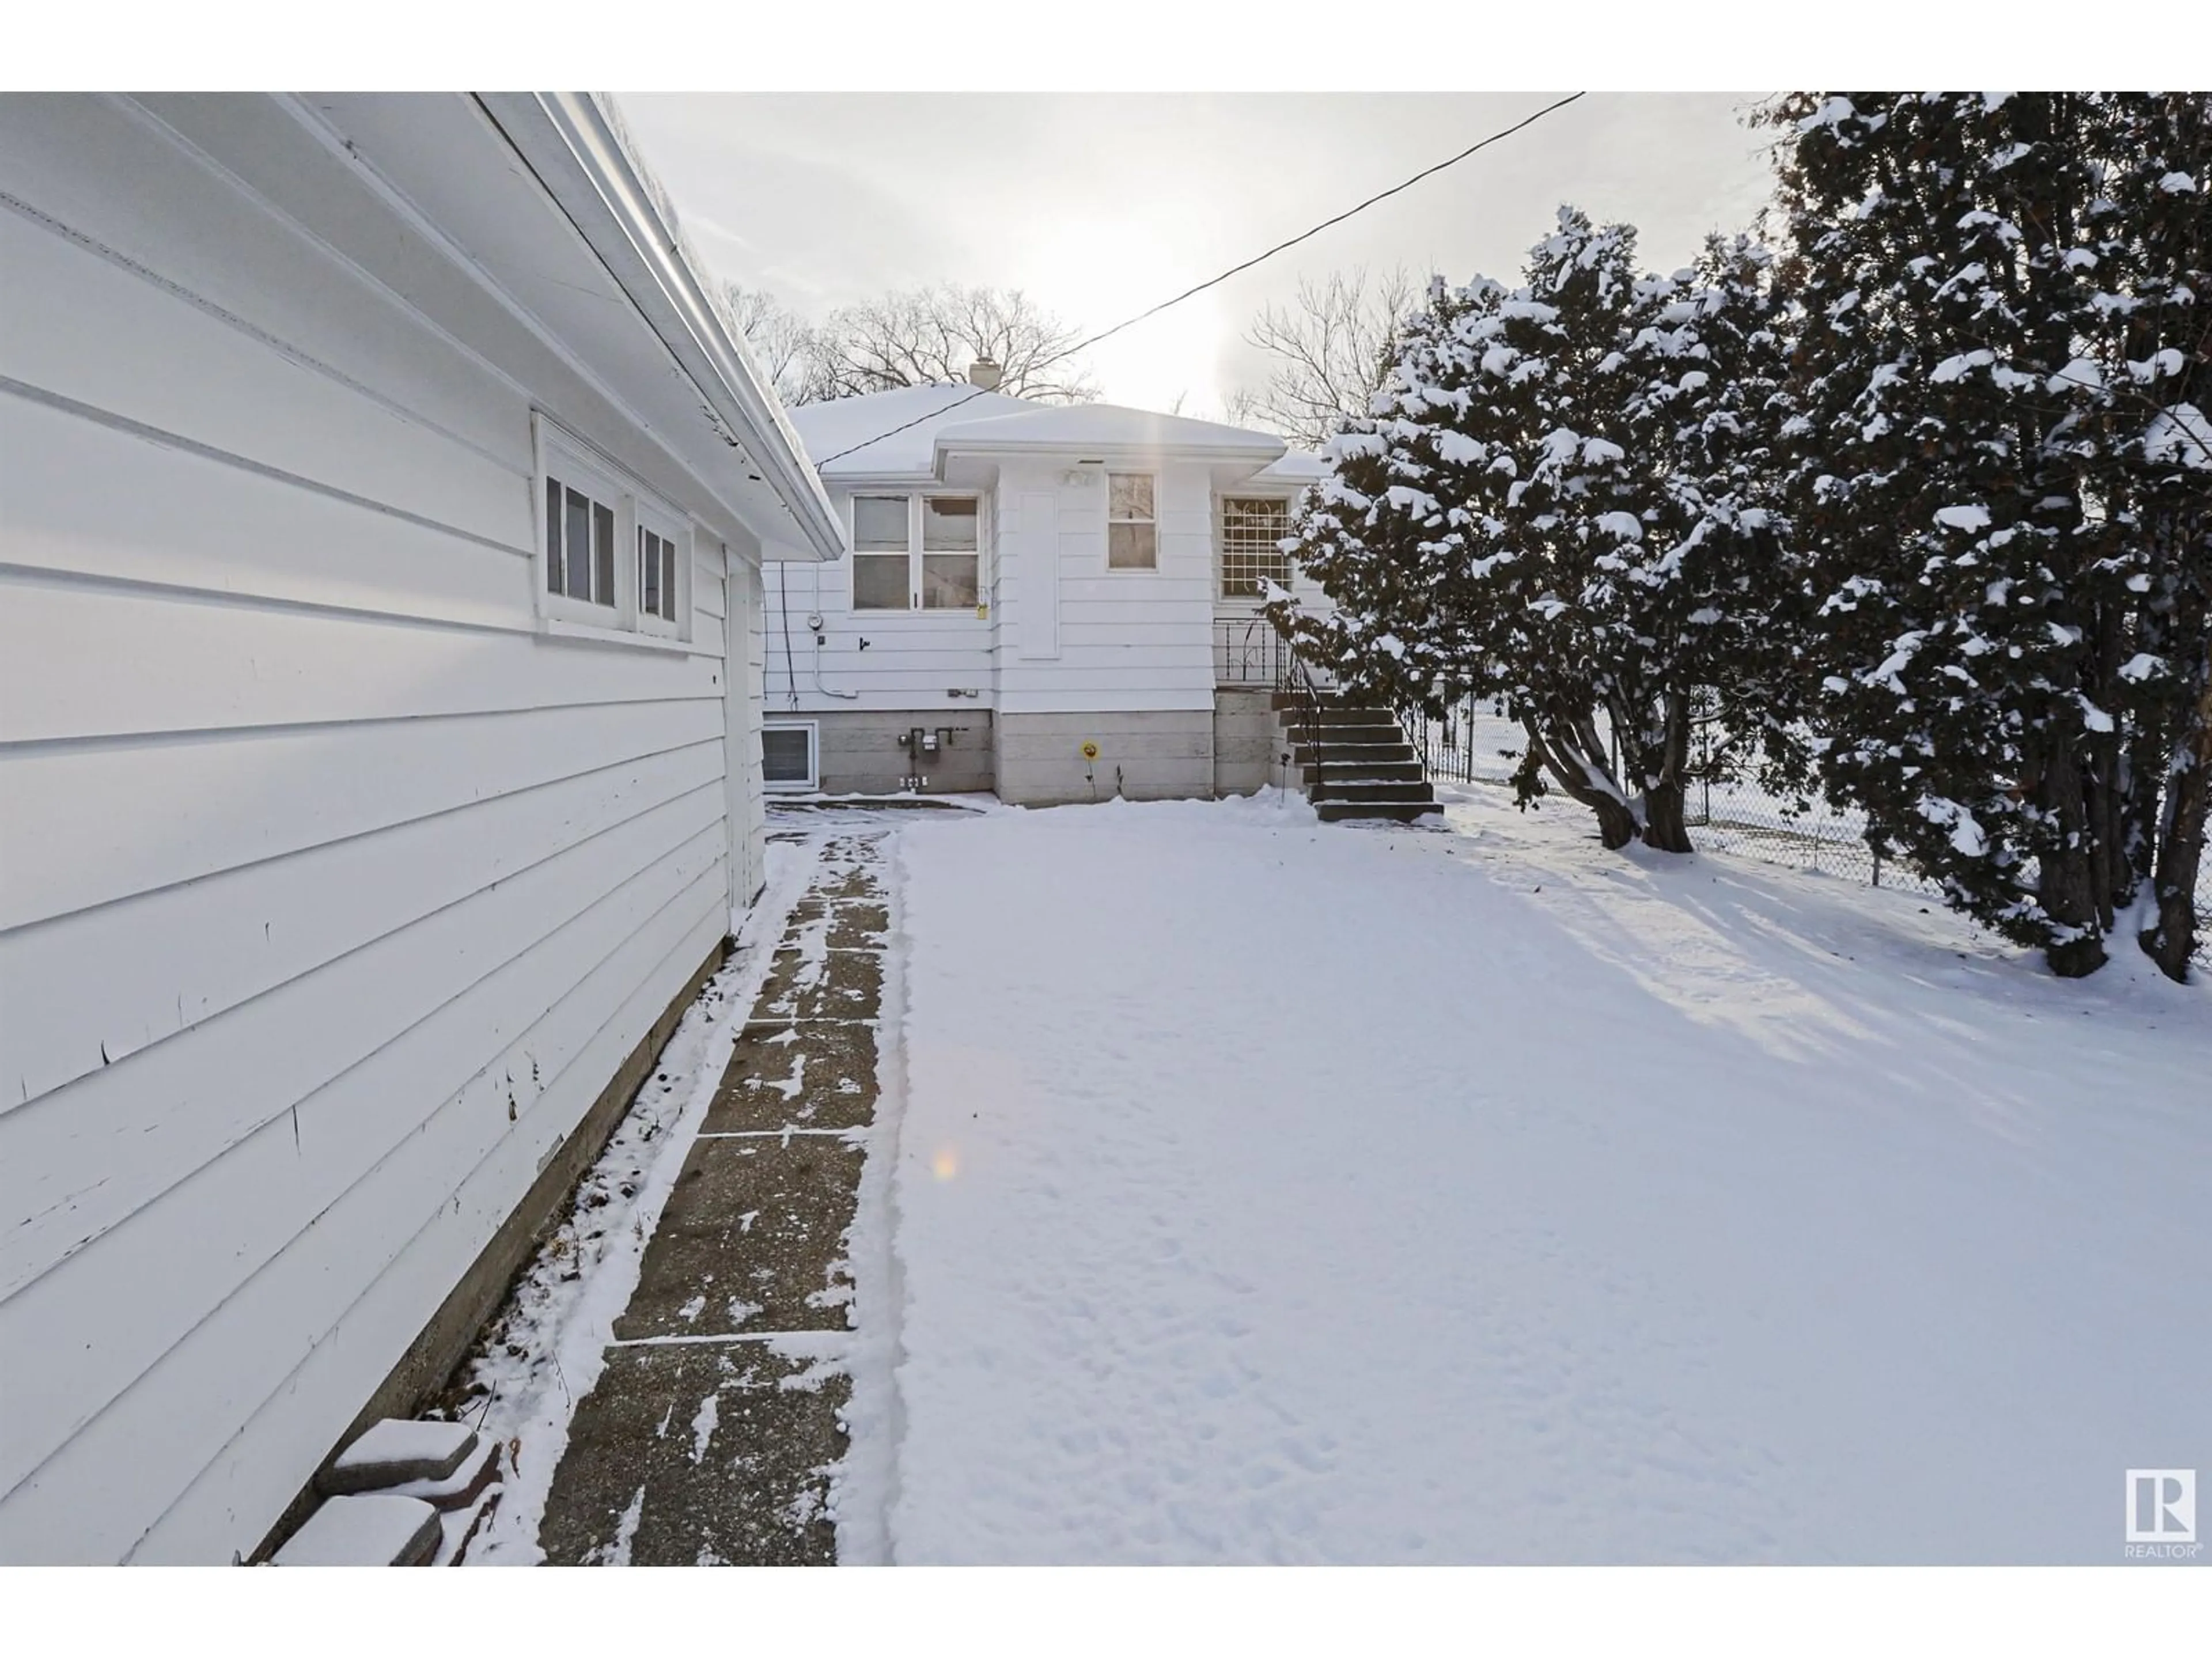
pixel 1329 750
pixel 1331 736
pixel 1402 768
pixel 365 1529
pixel 1398 811
pixel 1375 763
pixel 1290 706
pixel 1371 789
pixel 394 1451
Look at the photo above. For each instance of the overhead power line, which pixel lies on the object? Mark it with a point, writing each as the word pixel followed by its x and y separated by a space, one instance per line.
pixel 1233 271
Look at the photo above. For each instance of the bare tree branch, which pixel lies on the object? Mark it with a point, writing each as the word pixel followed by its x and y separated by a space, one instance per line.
pixel 783 343
pixel 1331 346
pixel 921 336
pixel 930 336
pixel 1240 406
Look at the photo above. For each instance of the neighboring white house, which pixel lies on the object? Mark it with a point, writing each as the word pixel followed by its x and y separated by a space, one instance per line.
pixel 382 508
pixel 1030 582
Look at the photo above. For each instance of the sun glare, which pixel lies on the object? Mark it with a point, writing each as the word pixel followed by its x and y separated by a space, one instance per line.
pixel 1100 272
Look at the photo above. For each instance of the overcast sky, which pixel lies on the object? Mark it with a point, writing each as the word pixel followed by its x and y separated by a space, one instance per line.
pixel 1100 205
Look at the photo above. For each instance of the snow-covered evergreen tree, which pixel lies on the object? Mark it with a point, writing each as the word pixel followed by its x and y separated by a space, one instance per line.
pixel 2005 541
pixel 1555 503
pixel 2154 355
pixel 1708 601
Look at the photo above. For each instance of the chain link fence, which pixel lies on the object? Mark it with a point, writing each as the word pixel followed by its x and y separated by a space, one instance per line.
pixel 1474 743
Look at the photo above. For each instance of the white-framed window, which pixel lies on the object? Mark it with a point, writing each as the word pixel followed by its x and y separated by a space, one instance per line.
pixel 663 565
pixel 1253 529
pixel 580 537
pixel 917 552
pixel 1133 527
pixel 791 755
pixel 611 554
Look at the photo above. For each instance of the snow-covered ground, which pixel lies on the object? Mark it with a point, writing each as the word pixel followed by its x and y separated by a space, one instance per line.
pixel 1738 816
pixel 1275 1192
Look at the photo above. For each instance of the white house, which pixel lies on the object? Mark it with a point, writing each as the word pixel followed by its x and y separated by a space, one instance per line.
pixel 382 510
pixel 1057 603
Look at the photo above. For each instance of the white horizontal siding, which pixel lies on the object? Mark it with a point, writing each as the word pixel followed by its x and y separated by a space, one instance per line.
pixel 708 599
pixel 1100 666
pixel 73 824
pixel 84 1159
pixel 1169 595
pixel 353 1289
pixel 226 664
pixel 911 656
pixel 199 234
pixel 168 1257
pixel 1135 698
pixel 746 592
pixel 740 743
pixel 82 993
pixel 1119 640
pixel 1142 633
pixel 239 1484
pixel 331 895
pixel 1111 640
pixel 81 327
pixel 89 498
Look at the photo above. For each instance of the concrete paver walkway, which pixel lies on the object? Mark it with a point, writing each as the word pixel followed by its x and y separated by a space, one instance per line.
pixel 711 1434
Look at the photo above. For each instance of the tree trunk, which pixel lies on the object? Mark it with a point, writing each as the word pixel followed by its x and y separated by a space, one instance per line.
pixel 1664 828
pixel 1570 770
pixel 2065 881
pixel 2109 776
pixel 1616 824
pixel 2173 937
pixel 1665 788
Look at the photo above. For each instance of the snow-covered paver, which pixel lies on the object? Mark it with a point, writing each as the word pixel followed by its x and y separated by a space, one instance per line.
pixel 1275 1192
pixel 548 1345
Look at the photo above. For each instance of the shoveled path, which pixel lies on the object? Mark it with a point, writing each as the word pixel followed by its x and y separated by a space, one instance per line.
pixel 712 1433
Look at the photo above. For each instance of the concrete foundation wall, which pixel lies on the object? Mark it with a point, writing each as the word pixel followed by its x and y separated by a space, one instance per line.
pixel 1160 755
pixel 864 752
pixel 1247 740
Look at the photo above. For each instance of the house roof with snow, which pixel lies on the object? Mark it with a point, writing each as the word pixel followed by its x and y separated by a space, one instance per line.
pixel 907 433
pixel 1300 466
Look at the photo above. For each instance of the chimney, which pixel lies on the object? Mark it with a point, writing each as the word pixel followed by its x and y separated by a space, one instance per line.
pixel 985 372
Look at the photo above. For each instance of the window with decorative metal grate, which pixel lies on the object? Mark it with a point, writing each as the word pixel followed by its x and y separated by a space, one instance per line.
pixel 1253 528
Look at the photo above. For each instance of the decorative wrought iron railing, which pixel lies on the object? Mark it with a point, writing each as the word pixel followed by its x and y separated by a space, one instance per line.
pixel 1248 651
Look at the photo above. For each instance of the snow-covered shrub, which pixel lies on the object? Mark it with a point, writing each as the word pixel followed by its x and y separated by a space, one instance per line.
pixel 1999 362
pixel 1557 501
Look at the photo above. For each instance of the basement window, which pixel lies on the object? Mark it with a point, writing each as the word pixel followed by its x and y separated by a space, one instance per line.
pixel 790 755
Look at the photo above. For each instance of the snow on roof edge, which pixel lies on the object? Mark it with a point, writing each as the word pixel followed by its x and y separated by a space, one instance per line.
pixel 716 293
pixel 718 302
pixel 1058 426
